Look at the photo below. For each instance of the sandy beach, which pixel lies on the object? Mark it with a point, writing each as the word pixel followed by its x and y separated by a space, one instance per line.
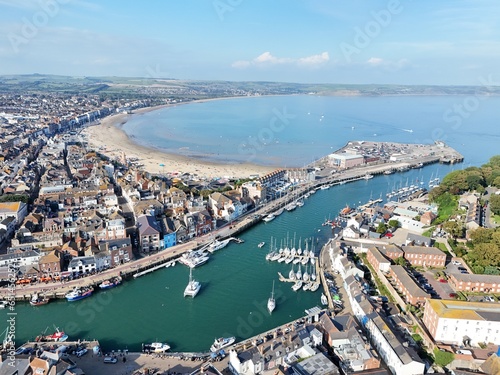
pixel 110 140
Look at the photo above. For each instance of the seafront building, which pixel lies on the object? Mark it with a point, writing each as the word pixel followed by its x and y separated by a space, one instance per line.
pixel 462 322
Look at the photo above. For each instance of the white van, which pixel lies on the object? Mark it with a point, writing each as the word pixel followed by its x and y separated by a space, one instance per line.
pixel 464 351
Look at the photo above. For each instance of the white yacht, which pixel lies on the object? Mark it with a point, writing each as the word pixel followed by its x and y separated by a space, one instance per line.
pixel 324 300
pixel 305 276
pixel 298 274
pixel 307 286
pixel 314 287
pixel 291 274
pixel 268 218
pixel 222 342
pixel 157 347
pixel 193 286
pixel 271 302
pixel 297 286
pixel 217 245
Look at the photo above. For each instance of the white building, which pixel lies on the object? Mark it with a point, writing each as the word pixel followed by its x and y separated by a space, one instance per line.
pixel 398 358
pixel 410 224
pixel 18 210
pixel 456 322
pixel 20 258
pixel 82 265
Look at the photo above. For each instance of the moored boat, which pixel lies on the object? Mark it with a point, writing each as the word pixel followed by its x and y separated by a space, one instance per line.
pixel 37 300
pixel 111 283
pixel 261 244
pixel 217 245
pixel 314 287
pixel 193 286
pixel 57 336
pixel 268 218
pixel 156 347
pixel 221 343
pixel 271 302
pixel 324 300
pixel 79 293
pixel 297 285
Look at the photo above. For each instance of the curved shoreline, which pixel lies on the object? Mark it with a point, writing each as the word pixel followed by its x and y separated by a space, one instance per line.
pixel 112 141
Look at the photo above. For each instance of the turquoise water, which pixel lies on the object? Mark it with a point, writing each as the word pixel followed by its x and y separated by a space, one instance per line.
pixel 236 284
pixel 295 130
pixel 237 280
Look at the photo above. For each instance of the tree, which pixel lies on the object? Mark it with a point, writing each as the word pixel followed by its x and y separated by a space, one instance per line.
pixel 382 228
pixel 394 224
pixel 400 261
pixel 481 235
pixel 454 229
pixel 495 204
pixel 443 358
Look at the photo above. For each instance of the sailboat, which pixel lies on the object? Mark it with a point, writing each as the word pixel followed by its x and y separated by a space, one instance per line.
pixel 271 252
pixel 305 276
pixel 271 302
pixel 291 274
pixel 298 274
pixel 193 286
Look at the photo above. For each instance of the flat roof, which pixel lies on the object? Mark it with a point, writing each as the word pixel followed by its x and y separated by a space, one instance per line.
pixel 345 156
pixel 454 309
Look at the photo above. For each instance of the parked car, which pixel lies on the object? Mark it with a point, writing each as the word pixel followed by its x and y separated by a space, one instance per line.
pixel 452 295
pixel 441 280
pixel 81 352
pixel 489 299
pixel 456 263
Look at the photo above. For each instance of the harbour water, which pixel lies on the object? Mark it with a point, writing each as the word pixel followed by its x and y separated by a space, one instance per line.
pixel 264 130
pixel 236 283
pixel 237 280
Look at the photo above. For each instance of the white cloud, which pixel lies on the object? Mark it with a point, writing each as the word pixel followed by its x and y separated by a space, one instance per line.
pixel 377 62
pixel 374 61
pixel 241 64
pixel 266 59
pixel 314 60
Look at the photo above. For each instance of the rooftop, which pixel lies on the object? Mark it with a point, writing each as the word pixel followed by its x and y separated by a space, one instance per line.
pixel 451 309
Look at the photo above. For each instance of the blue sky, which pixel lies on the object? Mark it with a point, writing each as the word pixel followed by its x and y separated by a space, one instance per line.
pixel 315 41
